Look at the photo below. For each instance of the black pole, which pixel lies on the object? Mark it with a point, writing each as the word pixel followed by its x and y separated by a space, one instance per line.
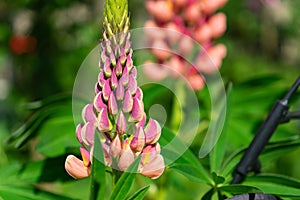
pixel 264 133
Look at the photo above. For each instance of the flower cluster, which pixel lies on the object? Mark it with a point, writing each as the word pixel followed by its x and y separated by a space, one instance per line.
pixel 195 19
pixel 117 112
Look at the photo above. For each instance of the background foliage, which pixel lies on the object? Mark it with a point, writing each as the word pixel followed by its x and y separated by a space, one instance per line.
pixel 43 44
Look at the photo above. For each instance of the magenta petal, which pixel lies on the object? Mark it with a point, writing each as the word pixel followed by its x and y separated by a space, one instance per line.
pixel 121 125
pixel 112 104
pixel 125 77
pixel 106 68
pixel 98 102
pixel 120 92
pixel 114 79
pixel 142 122
pixel 101 78
pixel 138 141
pixel 129 63
pixel 152 131
pixel 119 68
pixel 139 94
pixel 137 110
pixel 132 84
pixel 104 123
pixel 88 114
pixel 122 56
pixel 133 72
pixel 97 88
pixel 112 59
pixel 87 134
pixel 103 56
pixel 106 90
pixel 128 102
pixel 78 133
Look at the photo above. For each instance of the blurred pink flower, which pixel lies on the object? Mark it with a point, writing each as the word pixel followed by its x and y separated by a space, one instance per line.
pixel 196 20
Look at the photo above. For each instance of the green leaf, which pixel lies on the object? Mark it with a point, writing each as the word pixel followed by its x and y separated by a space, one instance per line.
pixel 184 162
pixel 217 154
pixel 208 195
pixel 98 171
pixel 239 189
pixel 217 179
pixel 140 194
pixel 275 189
pixel 123 185
pixel 275 178
pixel 56 135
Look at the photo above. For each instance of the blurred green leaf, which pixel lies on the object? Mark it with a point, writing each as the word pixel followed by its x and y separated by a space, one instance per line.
pixel 56 135
pixel 217 179
pixel 218 152
pixel 123 185
pixel 208 195
pixel 171 154
pixel 274 178
pixel 140 194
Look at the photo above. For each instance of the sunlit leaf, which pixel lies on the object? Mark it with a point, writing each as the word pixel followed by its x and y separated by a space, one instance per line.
pixel 140 194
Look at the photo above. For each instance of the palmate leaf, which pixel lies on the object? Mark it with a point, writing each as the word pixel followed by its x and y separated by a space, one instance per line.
pixel 187 163
pixel 125 182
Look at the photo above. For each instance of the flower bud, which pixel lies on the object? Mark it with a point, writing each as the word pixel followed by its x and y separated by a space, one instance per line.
pixel 128 102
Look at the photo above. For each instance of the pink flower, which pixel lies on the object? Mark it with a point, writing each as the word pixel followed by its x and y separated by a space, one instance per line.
pixel 195 19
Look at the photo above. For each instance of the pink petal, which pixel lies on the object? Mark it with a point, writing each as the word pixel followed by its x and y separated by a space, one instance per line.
pixel 120 92
pixel 106 68
pixel 126 158
pixel 106 90
pixel 142 122
pixel 160 10
pixel 152 131
pixel 139 94
pixel 87 134
pixel 128 102
pixel 138 141
pixel 112 104
pixel 78 133
pixel 217 24
pixel 155 71
pixel 114 79
pixel 88 114
pixel 76 168
pixel 104 123
pixel 137 110
pixel 98 102
pixel 154 168
pixel 132 84
pixel 115 147
pixel 121 125
pixel 85 154
pixel 119 68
